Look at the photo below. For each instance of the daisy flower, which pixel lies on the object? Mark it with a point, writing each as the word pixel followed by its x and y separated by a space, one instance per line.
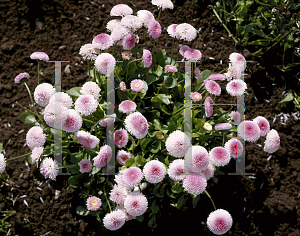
pixel 183 49
pixel 103 157
pixel 2 163
pixel 223 126
pixel 163 4
pixel 118 194
pixel 119 32
pixel 177 144
pixel 145 17
pixel 91 88
pixel 121 137
pixel 209 107
pixel 86 105
pixel 73 121
pixel 137 125
pixel 112 24
pixel 194 184
pixel 86 139
pixel 132 22
pixel 154 171
pixel 136 203
pixel 49 168
pixel 263 124
pixel 207 126
pixel 123 156
pixel 43 93
pixel 234 147
pixel 132 176
pixel 93 203
pixel 62 97
pixel 22 77
pixel 154 29
pixel 128 41
pixel 176 170
pixel 127 106
pixel 55 115
pixel 147 58
pixel 196 96
pixel 35 137
pixel 196 159
pixel 126 56
pixel 236 87
pixel 36 154
pixel 121 10
pixel 123 86
pixel 219 156
pixel 219 221
pixel 39 56
pixel 249 131
pixel 108 121
pixel 88 51
pixel 172 31
pixel 186 32
pixel 212 87
pixel 209 171
pixel 105 63
pixel 85 166
pixel 217 77
pixel 192 54
pixel 114 220
pixel 170 68
pixel 272 141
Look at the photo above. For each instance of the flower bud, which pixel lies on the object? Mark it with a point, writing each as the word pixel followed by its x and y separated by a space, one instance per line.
pixel 207 126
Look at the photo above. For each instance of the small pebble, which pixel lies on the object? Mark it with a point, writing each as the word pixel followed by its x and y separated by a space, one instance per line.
pixel 25 202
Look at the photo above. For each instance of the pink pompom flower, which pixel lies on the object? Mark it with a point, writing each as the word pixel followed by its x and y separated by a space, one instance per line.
pixel 35 137
pixel 112 24
pixel 55 114
pixel 145 17
pixel 123 156
pixel 86 105
pixel 136 124
pixel 114 220
pixel 236 87
pixel 147 58
pixel 93 203
pixel 86 139
pixel 91 88
pixel 209 107
pixel 238 59
pixel 177 144
pixel 62 97
pixel 217 77
pixel 196 96
pixel 212 87
pixel 194 184
pixel 272 142
pixel 2 163
pixel 196 159
pixel 154 29
pixel 198 73
pixel 128 41
pixel 263 124
pixel 154 171
pixel 136 203
pixel 209 171
pixel 137 85
pixel 105 63
pixel 192 54
pixel 249 130
pixel 219 156
pixel 234 147
pixel 49 168
pixel 223 126
pixel 121 10
pixel 132 176
pixel 39 56
pixel 20 78
pixel 73 121
pixel 170 68
pixel 128 216
pixel 85 166
pixel 186 32
pixel 183 49
pixel 163 4
pixel 176 170
pixel 43 93
pixel 126 56
pixel 118 194
pixel 123 86
pixel 108 121
pixel 88 51
pixel 127 106
pixel 103 157
pixel 36 154
pixel 234 72
pixel 236 116
pixel 132 22
pixel 119 32
pixel 172 31
pixel 121 138
pixel 219 221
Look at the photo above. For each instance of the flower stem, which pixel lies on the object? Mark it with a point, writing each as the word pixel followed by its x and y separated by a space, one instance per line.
pixel 134 96
pixel 18 157
pixel 145 40
pixel 128 65
pixel 33 102
pixel 172 49
pixel 159 14
pixel 38 71
pixel 88 120
pixel 67 166
pixel 106 198
pixel 25 108
pixel 88 64
pixel 161 85
pixel 210 199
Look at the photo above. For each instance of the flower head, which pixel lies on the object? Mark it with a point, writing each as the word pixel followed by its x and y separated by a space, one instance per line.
pixel 128 41
pixel 238 59
pixel 198 73
pixel 118 194
pixel 186 32
pixel 223 126
pixel 219 156
pixel 163 4
pixel 209 107
pixel 123 156
pixel 177 144
pixel 43 93
pixel 192 54
pixel 62 97
pixel 263 124
pixel 39 56
pixel 236 116
pixel 91 88
pixel 103 157
pixel 132 22
pixel 170 68
pixel 93 203
pixel 112 24
pixel 145 16
pixel 147 58
pixel 154 171
pixel 137 85
pixel 55 115
pixel 176 170
pixel 73 121
pixel 172 31
pixel 127 106
pixel 196 159
pixel 234 72
pixel 119 32
pixel 86 139
pixel 88 51
pixel 85 166
pixel 136 203
pixel 2 163
pixel 234 147
pixel 236 87
pixel 217 77
pixel 183 49
pixel 86 105
pixel 132 176
pixel 249 130
pixel 196 96
pixel 121 10
pixel 105 63
pixel 22 77
pixel 36 154
pixel 35 137
pixel 137 125
pixel 121 138
pixel 108 121
pixel 126 56
pixel 272 141
pixel 207 126
pixel 114 220
pixel 49 168
pixel 219 221
pixel 154 29
pixel 212 87
pixel 194 184
pixel 123 86
pixel 209 171
pixel 128 216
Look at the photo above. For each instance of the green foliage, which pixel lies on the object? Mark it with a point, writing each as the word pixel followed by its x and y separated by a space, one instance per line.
pixel 28 119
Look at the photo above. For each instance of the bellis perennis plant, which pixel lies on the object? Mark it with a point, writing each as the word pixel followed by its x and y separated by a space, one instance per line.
pixel 150 153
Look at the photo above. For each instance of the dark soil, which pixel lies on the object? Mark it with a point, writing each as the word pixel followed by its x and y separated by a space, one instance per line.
pixel 267 204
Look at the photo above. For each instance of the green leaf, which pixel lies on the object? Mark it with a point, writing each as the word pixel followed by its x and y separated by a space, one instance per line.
pixel 152 222
pixel 140 161
pixel 170 82
pixel 1 147
pixel 167 161
pixel 288 98
pixel 196 200
pixel 172 124
pixel 176 188
pixel 129 162
pixel 144 90
pixel 74 91
pixel 156 148
pixel 180 202
pixel 154 206
pixel 29 158
pixel 260 33
pixel 205 74
pixel 158 71
pixel 80 210
pixel 151 79
pixel 140 218
pixel 161 98
pixel 156 190
pixel 136 50
pixel 157 124
pixel 144 143
pixel 122 95
pixel 28 119
pixel 160 55
pixel 162 190
pixel 170 194
pixel 75 180
pixel 248 28
pixel 215 179
pixel 132 70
